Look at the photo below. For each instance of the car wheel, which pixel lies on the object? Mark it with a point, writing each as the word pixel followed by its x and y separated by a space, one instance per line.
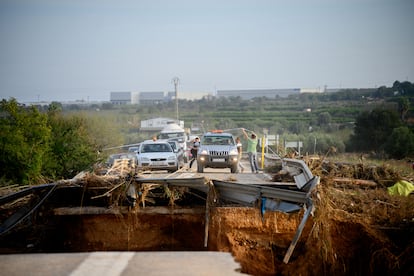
pixel 200 168
pixel 233 169
pixel 173 170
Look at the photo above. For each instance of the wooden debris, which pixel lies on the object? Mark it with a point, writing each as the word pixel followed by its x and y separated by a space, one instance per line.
pixel 145 189
pixel 108 193
pixel 347 180
pixel 122 167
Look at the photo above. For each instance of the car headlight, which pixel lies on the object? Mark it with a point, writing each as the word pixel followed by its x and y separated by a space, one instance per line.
pixel 233 151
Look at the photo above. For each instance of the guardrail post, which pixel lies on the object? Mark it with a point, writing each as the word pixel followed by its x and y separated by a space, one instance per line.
pixel 263 148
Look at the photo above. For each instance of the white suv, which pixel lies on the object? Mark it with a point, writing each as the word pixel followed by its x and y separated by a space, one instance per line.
pixel 217 150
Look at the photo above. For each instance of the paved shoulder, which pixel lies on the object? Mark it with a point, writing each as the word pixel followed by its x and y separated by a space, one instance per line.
pixel 120 263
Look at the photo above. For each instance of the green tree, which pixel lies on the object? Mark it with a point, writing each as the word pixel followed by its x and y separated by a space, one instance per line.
pixel 24 142
pixel 400 143
pixel 372 129
pixel 405 88
pixel 320 143
pixel 55 107
pixel 324 119
pixel 72 149
pixel 403 107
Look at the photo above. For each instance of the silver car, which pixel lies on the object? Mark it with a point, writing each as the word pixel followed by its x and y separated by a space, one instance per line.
pixel 217 150
pixel 155 155
pixel 178 151
pixel 121 156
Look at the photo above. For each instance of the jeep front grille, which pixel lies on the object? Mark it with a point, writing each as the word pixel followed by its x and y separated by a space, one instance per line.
pixel 218 153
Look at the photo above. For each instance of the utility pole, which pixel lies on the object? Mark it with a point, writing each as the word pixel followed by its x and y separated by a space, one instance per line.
pixel 176 80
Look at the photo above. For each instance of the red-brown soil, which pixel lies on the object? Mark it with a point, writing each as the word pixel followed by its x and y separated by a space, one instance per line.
pixel 335 241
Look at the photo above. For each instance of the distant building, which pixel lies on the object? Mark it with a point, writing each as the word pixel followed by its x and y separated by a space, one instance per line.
pixel 135 98
pixel 325 89
pixel 150 98
pixel 311 90
pixel 253 93
pixel 171 96
pixel 120 98
pixel 334 90
pixel 156 97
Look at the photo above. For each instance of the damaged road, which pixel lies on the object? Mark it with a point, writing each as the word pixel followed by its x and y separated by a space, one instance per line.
pixel 272 223
pixel 215 189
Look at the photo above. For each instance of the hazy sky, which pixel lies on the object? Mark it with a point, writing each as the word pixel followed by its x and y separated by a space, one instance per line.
pixel 84 49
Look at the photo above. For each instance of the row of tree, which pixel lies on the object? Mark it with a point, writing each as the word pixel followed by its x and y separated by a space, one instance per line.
pixel 39 144
pixel 38 147
pixel 382 130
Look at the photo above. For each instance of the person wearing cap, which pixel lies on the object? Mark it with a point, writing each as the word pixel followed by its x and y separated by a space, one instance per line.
pixel 194 150
pixel 251 150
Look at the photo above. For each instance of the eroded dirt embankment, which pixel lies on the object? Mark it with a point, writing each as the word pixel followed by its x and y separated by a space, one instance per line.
pixel 332 242
pixel 357 228
pixel 257 243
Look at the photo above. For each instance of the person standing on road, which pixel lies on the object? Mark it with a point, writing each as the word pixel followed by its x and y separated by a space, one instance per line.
pixel 194 150
pixel 240 151
pixel 251 150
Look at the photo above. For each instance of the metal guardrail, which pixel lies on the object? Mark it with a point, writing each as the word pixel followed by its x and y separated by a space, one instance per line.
pixel 299 170
pixel 276 199
pixel 249 194
pixel 24 212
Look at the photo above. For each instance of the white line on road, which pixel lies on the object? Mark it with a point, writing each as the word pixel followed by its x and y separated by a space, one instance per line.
pixel 103 263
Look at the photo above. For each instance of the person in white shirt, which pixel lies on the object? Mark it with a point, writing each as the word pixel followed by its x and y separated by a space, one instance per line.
pixel 240 151
pixel 194 150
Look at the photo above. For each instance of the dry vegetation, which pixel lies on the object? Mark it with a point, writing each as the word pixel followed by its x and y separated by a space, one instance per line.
pixel 358 228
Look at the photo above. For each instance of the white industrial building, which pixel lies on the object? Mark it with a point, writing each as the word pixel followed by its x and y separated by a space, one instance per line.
pixel 248 94
pixel 120 98
pixel 155 97
pixel 150 98
pixel 253 93
pixel 145 98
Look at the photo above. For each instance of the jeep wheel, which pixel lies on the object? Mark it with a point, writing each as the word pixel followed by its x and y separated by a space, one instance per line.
pixel 200 168
pixel 233 169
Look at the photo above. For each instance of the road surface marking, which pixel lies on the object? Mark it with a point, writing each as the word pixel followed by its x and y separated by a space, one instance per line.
pixel 103 263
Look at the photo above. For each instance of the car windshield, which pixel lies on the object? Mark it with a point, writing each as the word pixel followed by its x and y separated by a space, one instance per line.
pixel 156 148
pixel 133 149
pixel 173 145
pixel 170 135
pixel 217 140
pixel 113 157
